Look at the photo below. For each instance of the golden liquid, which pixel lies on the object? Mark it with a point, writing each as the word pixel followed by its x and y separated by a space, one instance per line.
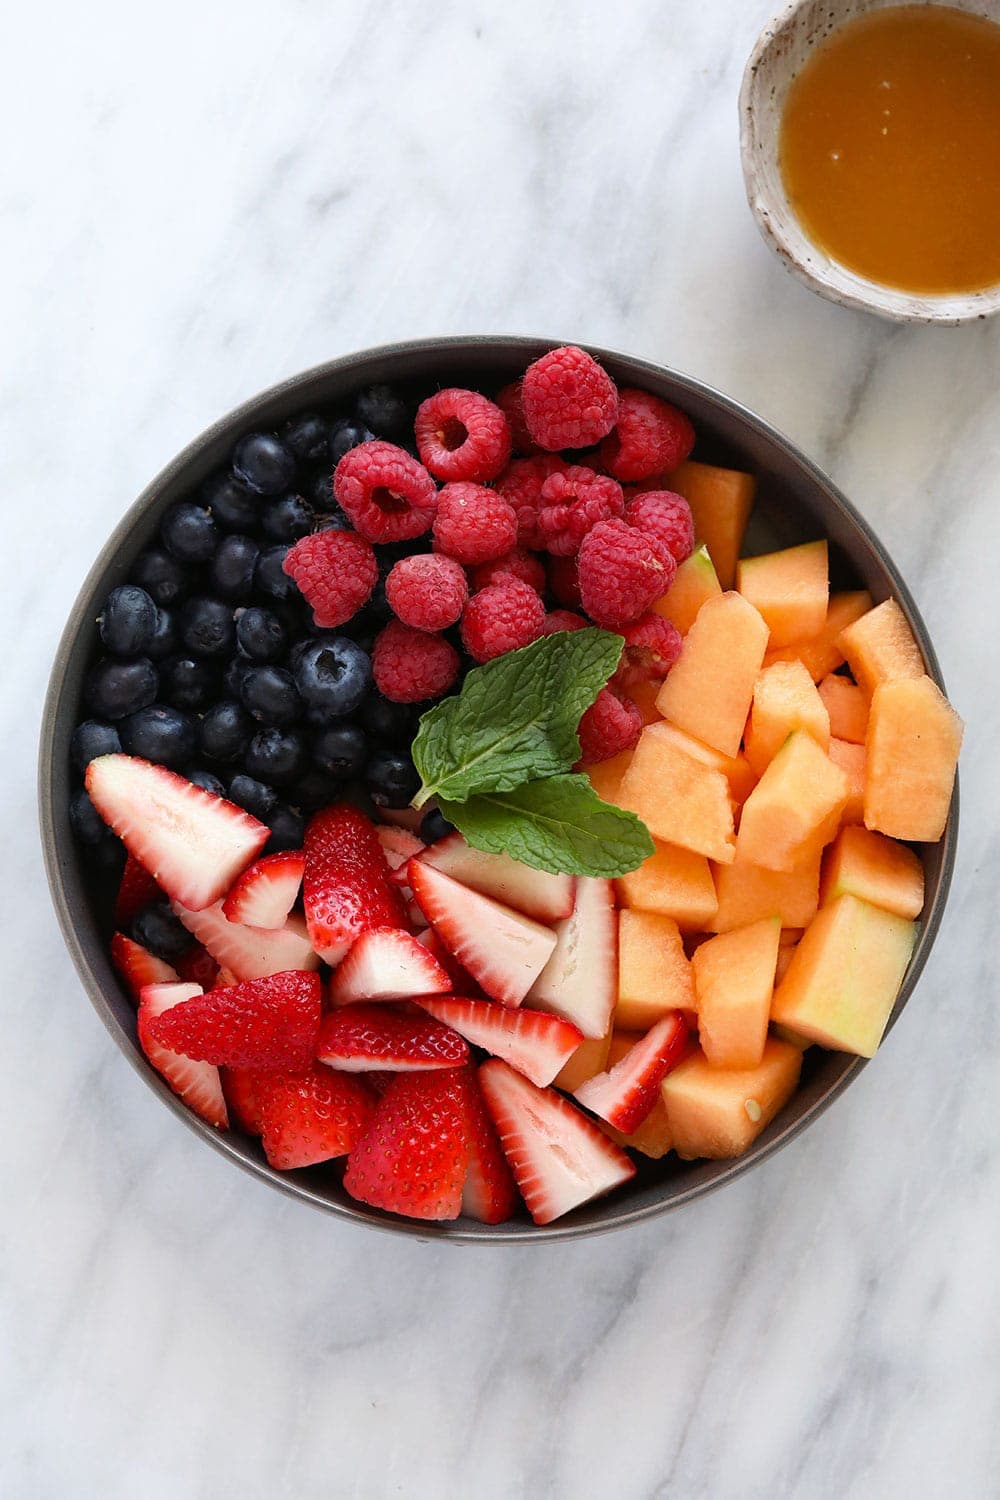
pixel 890 148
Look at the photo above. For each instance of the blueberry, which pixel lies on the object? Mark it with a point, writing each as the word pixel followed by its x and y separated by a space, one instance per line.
pixel 84 819
pixel 260 634
pixel 384 412
pixel 233 506
pixel 435 826
pixel 207 627
pixel 374 614
pixel 332 520
pixel 285 518
pixel 389 723
pixel 287 829
pixel 275 755
pixel 224 732
pixel 341 751
pixel 157 929
pixel 116 688
pixel 392 780
pixel 232 677
pixel 91 739
pixel 306 435
pixel 233 566
pixel 189 533
pixel 208 782
pixel 346 434
pixel 270 578
pixel 315 789
pixel 189 682
pixel 318 490
pixel 253 796
pixel 164 641
pixel 269 694
pixel 162 576
pixel 334 675
pixel 161 734
pixel 127 623
pixel 263 463
pixel 106 859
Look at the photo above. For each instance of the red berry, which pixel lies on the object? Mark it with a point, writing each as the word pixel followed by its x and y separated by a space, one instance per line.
pixel 650 437
pixel 414 1154
pixel 387 495
pixel 521 484
pixel 652 645
pixel 311 1117
pixel 335 571
pixel 473 524
pixel 501 618
pixel 510 403
pixel 515 564
pixel 267 1024
pixel 427 592
pixel 346 888
pixel 610 725
pixel 572 502
pixel 410 665
pixel 622 572
pixel 569 401
pixel 563 619
pixel 462 435
pixel 564 581
pixel 663 514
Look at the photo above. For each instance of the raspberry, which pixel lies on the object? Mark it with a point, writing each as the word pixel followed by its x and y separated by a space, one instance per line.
pixel 473 524
pixel 572 502
pixel 652 645
pixel 335 571
pixel 667 516
pixel 611 724
pixel 462 435
pixel 564 581
pixel 426 591
pixel 500 618
pixel 569 401
pixel 510 403
pixel 563 619
pixel 411 666
pixel 515 564
pixel 622 571
pixel 521 484
pixel 650 437
pixel 387 495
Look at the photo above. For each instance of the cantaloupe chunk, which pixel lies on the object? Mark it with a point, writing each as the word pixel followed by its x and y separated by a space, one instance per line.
pixel 747 892
pixel 653 1136
pixel 644 694
pixel 735 768
pixel 681 800
pixel 589 1058
pixel 791 590
pixel 785 952
pixel 654 974
pixel 879 647
pixel 606 776
pixel 695 581
pixel 785 698
pixel 721 501
pixel 734 983
pixel 843 981
pixel 851 760
pixel 914 736
pixel 720 1112
pixel 785 1033
pixel 798 799
pixel 874 868
pixel 847 707
pixel 821 654
pixel 674 882
pixel 709 689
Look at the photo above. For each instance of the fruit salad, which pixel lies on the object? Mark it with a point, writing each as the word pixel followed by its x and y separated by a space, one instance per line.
pixel 477 819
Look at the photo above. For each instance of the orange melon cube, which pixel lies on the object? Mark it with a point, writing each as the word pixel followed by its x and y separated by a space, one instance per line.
pixel 721 501
pixel 821 654
pixel 914 736
pixel 784 698
pixel 879 647
pixel 709 689
pixel 746 893
pixel 874 868
pixel 785 951
pixel 653 1136
pixel 681 800
pixel 644 694
pixel 843 981
pixel 736 768
pixel 847 707
pixel 674 882
pixel 791 590
pixel 590 1057
pixel 720 1112
pixel 606 776
pixel 733 984
pixel 654 973
pixel 695 581
pixel 851 760
pixel 785 1033
pixel 798 800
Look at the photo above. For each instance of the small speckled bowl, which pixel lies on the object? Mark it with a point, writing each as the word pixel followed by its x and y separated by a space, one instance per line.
pixel 781 50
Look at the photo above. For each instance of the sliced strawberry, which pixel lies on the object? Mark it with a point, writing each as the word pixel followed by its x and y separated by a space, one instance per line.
pixel 489 1194
pixel 346 882
pixel 536 893
pixel 387 964
pixel 198 966
pixel 358 1037
pixel 268 1024
pixel 559 1158
pixel 536 1044
pixel 399 847
pixel 580 980
pixel 626 1093
pixel 503 950
pixel 250 952
pixel 240 1088
pixel 137 889
pixel 414 1156
pixel 311 1117
pixel 193 843
pixel 137 966
pixel 263 896
pixel 462 982
pixel 197 1083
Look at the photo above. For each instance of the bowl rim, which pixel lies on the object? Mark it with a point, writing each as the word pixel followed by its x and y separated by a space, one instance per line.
pixel 454 1231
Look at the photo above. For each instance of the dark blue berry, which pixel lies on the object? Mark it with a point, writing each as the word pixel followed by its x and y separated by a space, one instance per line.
pixel 276 756
pixel 162 576
pixel 157 929
pixel 253 796
pixel 389 723
pixel 189 682
pixel 260 635
pixel 287 829
pixel 233 506
pixel 208 782
pixel 341 751
pixel 106 859
pixel 127 623
pixel 333 675
pixel 269 694
pixel 164 641
pixel 91 739
pixel 318 490
pixel 384 412
pixel 160 734
pixel 435 826
pixel 270 577
pixel 315 789
pixel 85 821
pixel 263 463
pixel 374 614
pixel 286 518
pixel 232 677
pixel 392 780
pixel 116 688
pixel 224 732
pixel 208 628
pixel 346 434
pixel 332 520
pixel 306 435
pixel 233 566
pixel 189 533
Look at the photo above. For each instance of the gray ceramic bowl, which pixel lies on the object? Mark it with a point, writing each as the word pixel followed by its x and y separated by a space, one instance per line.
pixel 797 502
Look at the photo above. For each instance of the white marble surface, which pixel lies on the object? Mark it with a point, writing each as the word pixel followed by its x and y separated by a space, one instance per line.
pixel 194 202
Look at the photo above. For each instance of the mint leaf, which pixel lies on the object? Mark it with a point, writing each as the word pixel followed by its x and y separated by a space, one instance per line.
pixel 515 718
pixel 558 824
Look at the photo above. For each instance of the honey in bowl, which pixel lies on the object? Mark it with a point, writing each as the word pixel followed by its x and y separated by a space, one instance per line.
pixel 890 148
